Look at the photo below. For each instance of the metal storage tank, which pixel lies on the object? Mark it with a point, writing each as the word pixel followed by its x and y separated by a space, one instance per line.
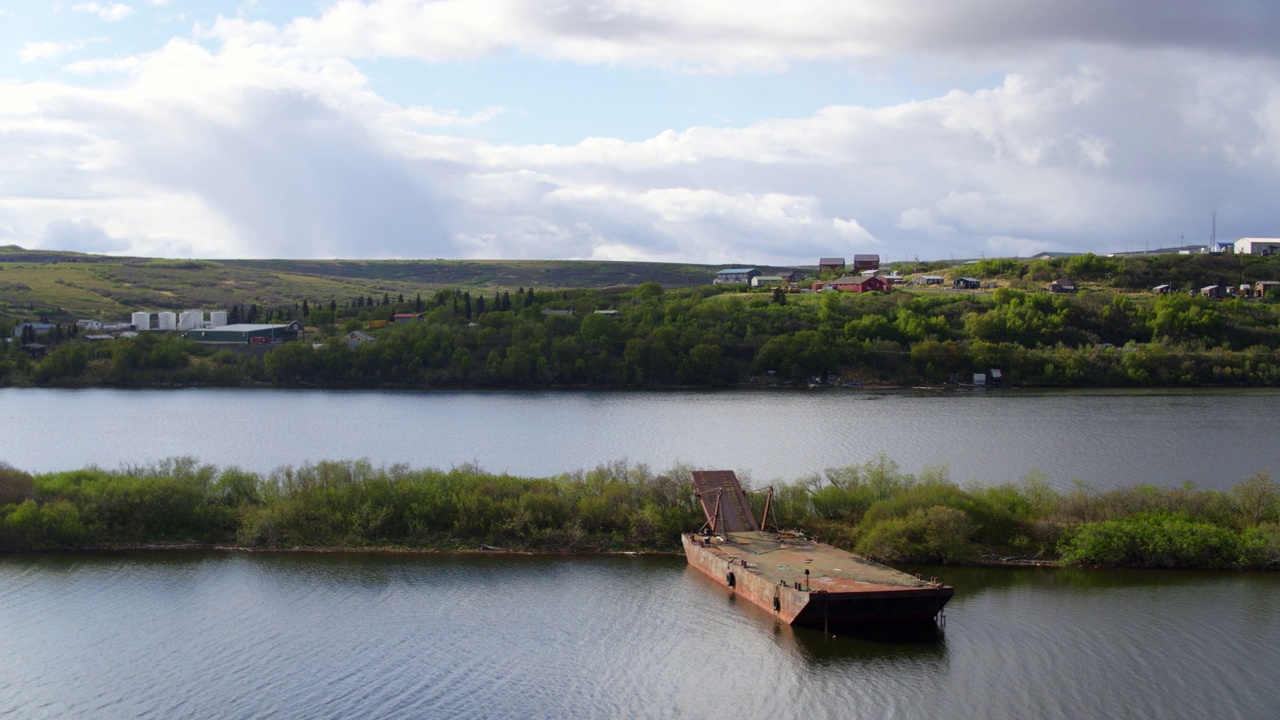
pixel 218 318
pixel 166 321
pixel 141 321
pixel 190 319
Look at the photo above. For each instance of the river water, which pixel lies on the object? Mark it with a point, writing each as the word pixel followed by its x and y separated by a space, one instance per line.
pixel 1105 438
pixel 240 635
pixel 245 635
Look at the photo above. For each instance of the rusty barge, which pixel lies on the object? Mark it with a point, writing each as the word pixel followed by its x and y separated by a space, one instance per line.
pixel 801 581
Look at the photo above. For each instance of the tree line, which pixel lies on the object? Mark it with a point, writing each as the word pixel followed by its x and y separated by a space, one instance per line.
pixel 872 508
pixel 646 336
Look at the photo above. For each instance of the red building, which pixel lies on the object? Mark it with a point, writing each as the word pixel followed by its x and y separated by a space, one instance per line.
pixel 849 283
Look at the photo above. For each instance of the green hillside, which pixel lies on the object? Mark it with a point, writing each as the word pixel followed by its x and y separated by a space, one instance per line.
pixel 65 286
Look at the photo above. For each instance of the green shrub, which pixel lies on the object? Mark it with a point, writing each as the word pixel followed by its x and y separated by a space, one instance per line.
pixel 1151 540
pixel 937 535
pixel 990 526
pixel 35 527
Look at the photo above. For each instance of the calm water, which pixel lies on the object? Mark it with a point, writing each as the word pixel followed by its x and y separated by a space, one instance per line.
pixel 202 635
pixel 1107 438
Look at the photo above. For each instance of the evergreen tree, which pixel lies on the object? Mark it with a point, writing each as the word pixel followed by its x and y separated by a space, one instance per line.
pixel 333 308
pixel 480 305
pixel 528 298
pixel 386 299
pixel 417 303
pixel 466 301
pixel 506 300
pixel 233 315
pixel 401 300
pixel 252 317
pixel 305 310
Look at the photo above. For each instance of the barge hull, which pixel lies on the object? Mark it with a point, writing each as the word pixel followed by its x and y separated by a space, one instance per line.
pixel 811 606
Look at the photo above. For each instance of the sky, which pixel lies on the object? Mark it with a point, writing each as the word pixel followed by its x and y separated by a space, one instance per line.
pixel 707 131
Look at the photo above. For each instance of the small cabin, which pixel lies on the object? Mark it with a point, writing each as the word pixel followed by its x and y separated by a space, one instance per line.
pixel 35 350
pixel 1062 286
pixel 1264 288
pixel 967 283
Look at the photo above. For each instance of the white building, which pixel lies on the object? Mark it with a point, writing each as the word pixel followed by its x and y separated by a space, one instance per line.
pixel 1257 246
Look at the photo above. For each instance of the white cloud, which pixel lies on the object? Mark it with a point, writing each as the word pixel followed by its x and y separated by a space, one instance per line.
pixel 48 49
pixel 106 13
pixel 728 35
pixel 256 140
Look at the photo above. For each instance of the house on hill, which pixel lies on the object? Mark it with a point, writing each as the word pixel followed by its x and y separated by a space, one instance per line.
pixel 1062 286
pixel 966 283
pixel 862 263
pixel 830 264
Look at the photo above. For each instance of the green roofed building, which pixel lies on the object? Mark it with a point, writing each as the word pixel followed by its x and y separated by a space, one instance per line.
pixel 246 334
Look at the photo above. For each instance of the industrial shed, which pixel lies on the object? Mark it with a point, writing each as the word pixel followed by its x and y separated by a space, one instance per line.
pixel 246 334
pixel 1257 246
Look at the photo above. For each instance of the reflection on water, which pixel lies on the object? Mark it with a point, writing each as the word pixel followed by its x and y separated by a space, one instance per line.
pixel 196 634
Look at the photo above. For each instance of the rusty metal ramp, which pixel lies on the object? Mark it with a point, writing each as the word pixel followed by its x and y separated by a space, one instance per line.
pixel 723 501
